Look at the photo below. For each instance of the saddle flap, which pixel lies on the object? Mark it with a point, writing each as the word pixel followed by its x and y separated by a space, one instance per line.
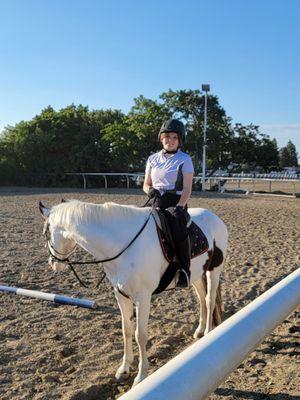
pixel 198 241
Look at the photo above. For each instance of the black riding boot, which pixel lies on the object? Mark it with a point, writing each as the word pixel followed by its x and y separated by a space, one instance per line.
pixel 184 257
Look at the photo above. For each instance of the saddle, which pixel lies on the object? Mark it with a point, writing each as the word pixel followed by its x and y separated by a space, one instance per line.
pixel 198 241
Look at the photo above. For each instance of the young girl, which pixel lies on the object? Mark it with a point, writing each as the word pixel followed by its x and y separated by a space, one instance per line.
pixel 168 182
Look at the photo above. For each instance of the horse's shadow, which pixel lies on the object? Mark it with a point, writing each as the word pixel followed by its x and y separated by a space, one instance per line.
pixel 244 394
pixel 254 292
pixel 110 390
pixel 279 347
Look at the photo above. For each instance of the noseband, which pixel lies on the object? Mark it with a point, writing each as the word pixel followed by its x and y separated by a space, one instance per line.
pixel 52 250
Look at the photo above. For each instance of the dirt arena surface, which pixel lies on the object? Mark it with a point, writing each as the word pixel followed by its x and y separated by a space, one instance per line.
pixel 62 352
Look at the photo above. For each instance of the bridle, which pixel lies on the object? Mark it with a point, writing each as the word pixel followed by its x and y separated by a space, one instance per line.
pixel 51 249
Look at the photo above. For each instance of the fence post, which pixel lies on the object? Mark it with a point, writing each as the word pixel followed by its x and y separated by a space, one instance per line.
pixel 84 181
pixel 105 181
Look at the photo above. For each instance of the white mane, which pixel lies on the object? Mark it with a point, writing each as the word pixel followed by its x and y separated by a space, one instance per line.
pixel 78 212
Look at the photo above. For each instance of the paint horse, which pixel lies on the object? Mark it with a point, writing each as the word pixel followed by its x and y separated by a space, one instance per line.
pixel 105 229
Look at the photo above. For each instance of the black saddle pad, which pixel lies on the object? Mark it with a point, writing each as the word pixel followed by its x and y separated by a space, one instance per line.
pixel 198 240
pixel 199 245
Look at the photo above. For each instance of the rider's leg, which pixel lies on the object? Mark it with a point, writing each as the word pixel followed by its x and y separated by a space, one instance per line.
pixel 182 249
pixel 183 255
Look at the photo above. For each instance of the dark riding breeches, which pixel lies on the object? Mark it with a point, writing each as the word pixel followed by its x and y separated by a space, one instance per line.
pixel 178 228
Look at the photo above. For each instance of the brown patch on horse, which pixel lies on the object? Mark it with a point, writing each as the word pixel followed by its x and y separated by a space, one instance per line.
pixel 218 312
pixel 215 258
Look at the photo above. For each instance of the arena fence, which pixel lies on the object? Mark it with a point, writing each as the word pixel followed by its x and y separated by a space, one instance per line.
pixel 256 185
pixel 137 177
pixel 245 184
pixel 201 368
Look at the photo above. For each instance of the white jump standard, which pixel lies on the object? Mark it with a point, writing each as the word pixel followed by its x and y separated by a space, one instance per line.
pixel 56 298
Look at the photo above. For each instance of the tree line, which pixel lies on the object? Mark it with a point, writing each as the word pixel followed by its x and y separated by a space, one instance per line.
pixel 76 139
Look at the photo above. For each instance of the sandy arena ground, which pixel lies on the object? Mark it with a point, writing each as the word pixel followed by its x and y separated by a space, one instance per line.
pixel 62 352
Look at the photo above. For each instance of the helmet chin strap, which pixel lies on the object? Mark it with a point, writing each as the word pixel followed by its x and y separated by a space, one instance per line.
pixel 170 151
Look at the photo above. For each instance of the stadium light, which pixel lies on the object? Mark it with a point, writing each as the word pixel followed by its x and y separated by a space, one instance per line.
pixel 205 88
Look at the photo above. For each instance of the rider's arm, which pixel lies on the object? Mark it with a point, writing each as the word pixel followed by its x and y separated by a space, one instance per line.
pixel 147 182
pixel 187 189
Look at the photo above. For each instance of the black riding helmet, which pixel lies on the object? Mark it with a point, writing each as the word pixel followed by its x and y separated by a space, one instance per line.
pixel 173 125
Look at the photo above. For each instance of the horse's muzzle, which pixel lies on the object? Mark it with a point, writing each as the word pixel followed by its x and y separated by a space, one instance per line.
pixel 57 266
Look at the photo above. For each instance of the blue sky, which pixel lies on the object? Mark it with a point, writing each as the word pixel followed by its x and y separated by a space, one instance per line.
pixel 103 53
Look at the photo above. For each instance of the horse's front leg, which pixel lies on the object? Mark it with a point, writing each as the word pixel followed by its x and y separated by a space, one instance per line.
pixel 126 307
pixel 141 334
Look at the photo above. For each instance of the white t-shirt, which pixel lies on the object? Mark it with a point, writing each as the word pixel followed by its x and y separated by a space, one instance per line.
pixel 166 172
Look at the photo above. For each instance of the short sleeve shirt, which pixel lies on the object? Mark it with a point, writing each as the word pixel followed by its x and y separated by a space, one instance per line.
pixel 167 172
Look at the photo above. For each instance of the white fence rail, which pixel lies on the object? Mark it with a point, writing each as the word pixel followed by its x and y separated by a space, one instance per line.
pixel 255 183
pixel 200 369
pixel 105 174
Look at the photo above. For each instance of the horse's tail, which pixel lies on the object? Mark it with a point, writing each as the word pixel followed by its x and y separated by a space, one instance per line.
pixel 218 311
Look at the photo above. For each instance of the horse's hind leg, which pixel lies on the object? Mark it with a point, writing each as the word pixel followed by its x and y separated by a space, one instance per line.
pixel 141 334
pixel 213 278
pixel 126 308
pixel 201 292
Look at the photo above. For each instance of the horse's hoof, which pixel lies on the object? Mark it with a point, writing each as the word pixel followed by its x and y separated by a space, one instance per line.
pixel 198 335
pixel 139 379
pixel 122 374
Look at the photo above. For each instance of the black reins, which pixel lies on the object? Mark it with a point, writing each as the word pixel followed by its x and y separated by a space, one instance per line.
pixel 67 261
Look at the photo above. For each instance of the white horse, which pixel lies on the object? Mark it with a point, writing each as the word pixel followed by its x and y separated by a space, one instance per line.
pixel 104 230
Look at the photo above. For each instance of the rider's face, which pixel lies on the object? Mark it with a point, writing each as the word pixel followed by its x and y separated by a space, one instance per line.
pixel 169 141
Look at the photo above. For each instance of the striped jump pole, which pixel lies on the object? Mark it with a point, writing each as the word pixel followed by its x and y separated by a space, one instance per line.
pixel 56 298
pixel 201 368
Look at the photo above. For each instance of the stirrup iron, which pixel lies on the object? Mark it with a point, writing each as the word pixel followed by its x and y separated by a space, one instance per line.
pixel 182 279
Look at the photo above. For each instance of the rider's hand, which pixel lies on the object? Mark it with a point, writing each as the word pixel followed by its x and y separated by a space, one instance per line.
pixel 182 213
pixel 153 193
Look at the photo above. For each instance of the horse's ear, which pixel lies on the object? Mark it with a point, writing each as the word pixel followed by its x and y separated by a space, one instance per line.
pixel 63 201
pixel 44 210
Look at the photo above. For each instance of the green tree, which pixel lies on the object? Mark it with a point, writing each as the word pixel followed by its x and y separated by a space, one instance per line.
pixel 57 142
pixel 267 153
pixel 189 105
pixel 75 139
pixel 144 122
pixel 129 142
pixel 252 149
pixel 120 147
pixel 288 155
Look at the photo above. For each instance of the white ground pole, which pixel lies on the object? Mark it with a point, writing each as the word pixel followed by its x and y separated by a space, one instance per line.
pixel 200 369
pixel 56 298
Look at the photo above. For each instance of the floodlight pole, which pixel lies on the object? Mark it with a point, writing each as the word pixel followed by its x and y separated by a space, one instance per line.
pixel 206 89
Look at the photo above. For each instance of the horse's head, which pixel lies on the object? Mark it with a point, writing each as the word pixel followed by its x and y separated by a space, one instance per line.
pixel 58 241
